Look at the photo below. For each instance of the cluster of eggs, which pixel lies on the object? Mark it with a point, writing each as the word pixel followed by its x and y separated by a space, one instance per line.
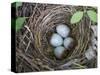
pixel 61 40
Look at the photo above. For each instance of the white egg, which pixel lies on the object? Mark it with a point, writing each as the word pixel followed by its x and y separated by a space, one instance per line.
pixel 58 51
pixel 56 40
pixel 63 30
pixel 68 42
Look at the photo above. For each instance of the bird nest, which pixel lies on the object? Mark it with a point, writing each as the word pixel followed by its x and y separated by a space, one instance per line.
pixel 33 49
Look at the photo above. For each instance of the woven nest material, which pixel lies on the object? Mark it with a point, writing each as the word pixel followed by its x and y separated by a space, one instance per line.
pixel 33 47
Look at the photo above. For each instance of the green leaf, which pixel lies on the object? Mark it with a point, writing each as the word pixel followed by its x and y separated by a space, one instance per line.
pixel 18 4
pixel 19 22
pixel 92 15
pixel 76 17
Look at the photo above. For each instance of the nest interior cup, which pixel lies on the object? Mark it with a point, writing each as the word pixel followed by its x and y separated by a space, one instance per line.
pixel 40 26
pixel 45 26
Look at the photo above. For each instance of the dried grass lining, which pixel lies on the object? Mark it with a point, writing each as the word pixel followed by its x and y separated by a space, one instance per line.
pixel 33 51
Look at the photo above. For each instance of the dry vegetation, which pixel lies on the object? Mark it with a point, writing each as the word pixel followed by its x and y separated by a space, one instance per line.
pixel 33 51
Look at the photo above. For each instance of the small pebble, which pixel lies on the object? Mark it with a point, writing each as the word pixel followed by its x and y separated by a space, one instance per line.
pixel 90 54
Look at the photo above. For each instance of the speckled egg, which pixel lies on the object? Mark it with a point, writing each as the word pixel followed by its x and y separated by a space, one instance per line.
pixel 59 51
pixel 68 42
pixel 56 40
pixel 63 30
